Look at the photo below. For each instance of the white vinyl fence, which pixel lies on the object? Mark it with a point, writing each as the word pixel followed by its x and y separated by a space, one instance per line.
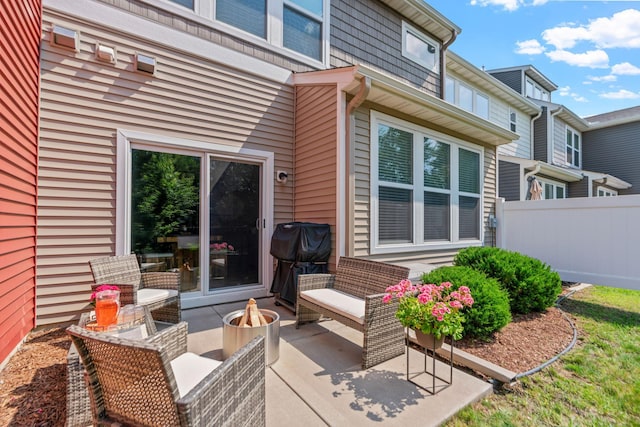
pixel 590 240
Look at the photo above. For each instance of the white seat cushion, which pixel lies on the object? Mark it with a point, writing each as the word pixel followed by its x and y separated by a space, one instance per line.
pixel 148 296
pixel 189 369
pixel 341 302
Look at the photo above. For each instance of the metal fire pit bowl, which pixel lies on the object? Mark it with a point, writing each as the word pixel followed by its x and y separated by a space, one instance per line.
pixel 234 337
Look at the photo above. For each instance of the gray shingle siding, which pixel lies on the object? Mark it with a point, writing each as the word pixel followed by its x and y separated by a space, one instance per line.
pixel 614 150
pixel 540 139
pixel 370 33
pixel 513 79
pixel 509 183
pixel 579 188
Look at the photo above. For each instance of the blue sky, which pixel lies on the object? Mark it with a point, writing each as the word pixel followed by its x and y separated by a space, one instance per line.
pixel 589 49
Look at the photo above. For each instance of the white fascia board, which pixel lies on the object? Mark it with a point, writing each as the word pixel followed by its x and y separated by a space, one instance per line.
pixel 119 20
pixel 552 171
pixel 607 179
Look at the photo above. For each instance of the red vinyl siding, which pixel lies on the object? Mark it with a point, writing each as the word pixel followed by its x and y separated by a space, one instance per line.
pixel 20 29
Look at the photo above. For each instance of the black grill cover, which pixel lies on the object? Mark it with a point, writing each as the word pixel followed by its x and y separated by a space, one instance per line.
pixel 285 279
pixel 301 241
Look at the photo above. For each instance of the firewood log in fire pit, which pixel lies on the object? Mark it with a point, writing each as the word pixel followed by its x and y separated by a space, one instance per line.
pixel 252 316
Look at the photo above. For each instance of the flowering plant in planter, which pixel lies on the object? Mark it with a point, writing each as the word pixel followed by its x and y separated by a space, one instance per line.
pixel 101 288
pixel 430 308
pixel 222 247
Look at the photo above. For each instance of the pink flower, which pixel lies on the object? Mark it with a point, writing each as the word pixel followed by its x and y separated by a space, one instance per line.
pixel 387 298
pixel 102 288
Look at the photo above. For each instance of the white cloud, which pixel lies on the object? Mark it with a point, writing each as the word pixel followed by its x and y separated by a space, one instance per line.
pixel 591 59
pixel 620 30
pixel 566 91
pixel 609 78
pixel 509 5
pixel 625 69
pixel 530 47
pixel 621 94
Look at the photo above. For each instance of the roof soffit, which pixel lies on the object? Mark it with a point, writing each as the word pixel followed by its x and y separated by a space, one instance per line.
pixel 429 19
pixel 489 84
pixel 396 95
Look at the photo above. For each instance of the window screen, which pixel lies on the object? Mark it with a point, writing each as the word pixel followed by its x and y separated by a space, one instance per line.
pixel 395 211
pixel 248 15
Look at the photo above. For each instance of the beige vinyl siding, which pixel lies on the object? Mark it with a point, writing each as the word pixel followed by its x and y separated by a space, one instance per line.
pixel 362 202
pixel 316 145
pixel 522 146
pixel 85 102
pixel 489 193
pixel 559 141
pixel 204 29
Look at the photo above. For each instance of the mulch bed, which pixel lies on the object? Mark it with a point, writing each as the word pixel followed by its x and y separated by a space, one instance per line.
pixel 33 383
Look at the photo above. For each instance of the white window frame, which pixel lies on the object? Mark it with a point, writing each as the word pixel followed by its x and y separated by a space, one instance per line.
pixel 418 188
pixel 573 149
pixel 513 120
pixel 555 185
pixel 475 94
pixel 606 192
pixel 204 13
pixel 535 87
pixel 409 29
pixel 129 139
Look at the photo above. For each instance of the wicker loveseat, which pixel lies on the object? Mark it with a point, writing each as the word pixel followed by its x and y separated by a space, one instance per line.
pixel 158 290
pixel 156 382
pixel 353 297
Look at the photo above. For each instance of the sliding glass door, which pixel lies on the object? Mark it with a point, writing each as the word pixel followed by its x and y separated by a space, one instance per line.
pixel 234 221
pixel 177 208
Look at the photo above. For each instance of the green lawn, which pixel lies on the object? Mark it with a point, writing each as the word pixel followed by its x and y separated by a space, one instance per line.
pixel 597 383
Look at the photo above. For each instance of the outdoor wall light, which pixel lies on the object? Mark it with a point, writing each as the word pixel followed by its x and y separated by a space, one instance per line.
pixel 281 176
pixel 106 53
pixel 64 37
pixel 145 63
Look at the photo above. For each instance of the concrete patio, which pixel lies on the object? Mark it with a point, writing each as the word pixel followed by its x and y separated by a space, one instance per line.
pixel 318 380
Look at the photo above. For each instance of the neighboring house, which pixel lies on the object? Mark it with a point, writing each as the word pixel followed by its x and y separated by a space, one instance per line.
pixel 153 105
pixel 556 153
pixel 612 144
pixel 20 24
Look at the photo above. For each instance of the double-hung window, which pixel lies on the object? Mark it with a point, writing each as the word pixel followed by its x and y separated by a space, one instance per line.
pixel 573 147
pixel 426 188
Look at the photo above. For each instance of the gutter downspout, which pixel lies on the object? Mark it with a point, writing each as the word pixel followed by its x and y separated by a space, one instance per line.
pixel 527 175
pixel 533 134
pixel 350 149
pixel 443 65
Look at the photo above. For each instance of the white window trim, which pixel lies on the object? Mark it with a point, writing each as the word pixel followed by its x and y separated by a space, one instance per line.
pixel 407 28
pixel 607 191
pixel 573 132
pixel 128 139
pixel 555 184
pixel 419 133
pixel 513 122
pixel 544 94
pixel 474 103
pixel 204 13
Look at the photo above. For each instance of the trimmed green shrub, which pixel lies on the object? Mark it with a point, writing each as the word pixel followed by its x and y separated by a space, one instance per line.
pixel 490 310
pixel 531 284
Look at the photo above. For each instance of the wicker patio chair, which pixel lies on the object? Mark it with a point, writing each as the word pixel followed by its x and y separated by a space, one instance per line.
pixel 78 402
pixel 353 297
pixel 158 290
pixel 156 383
